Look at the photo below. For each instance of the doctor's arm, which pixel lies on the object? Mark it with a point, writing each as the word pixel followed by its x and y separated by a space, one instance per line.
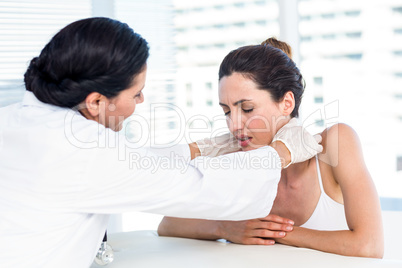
pixel 124 178
pixel 363 213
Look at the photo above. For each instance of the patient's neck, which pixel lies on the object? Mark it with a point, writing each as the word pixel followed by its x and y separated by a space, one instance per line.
pixel 295 175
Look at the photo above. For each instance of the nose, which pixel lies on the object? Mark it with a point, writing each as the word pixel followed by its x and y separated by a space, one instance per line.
pixel 235 121
pixel 140 99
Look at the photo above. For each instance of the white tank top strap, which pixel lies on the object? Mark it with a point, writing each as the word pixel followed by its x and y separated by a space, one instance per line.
pixel 319 175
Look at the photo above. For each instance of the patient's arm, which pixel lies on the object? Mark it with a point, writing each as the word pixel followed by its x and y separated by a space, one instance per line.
pixel 189 228
pixel 362 208
pixel 241 232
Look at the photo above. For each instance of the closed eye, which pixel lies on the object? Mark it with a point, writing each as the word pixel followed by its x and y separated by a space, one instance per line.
pixel 248 111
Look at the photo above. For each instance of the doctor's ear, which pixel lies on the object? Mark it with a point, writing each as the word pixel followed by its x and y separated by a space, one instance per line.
pixel 93 103
pixel 288 103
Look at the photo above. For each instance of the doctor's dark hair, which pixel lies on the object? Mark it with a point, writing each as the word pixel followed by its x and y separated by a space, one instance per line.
pixel 90 55
pixel 269 67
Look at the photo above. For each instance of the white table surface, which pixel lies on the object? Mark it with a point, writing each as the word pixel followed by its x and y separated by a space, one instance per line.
pixel 147 249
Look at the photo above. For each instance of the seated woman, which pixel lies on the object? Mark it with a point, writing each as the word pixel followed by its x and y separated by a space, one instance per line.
pixel 327 203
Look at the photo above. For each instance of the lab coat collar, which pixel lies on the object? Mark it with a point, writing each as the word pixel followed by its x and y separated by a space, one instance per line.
pixel 29 99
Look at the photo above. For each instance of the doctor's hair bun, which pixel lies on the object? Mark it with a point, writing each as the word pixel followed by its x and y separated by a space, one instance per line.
pixel 47 87
pixel 285 47
pixel 90 55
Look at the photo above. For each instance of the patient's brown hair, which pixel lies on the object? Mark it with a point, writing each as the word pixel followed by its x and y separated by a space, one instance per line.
pixel 285 47
pixel 271 68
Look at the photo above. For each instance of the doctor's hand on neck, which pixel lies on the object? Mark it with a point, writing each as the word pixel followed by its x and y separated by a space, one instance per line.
pixel 299 143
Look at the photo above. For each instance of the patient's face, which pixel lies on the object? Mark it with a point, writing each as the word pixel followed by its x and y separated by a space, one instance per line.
pixel 252 116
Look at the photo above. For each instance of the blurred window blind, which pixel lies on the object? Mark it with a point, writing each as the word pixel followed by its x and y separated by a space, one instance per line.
pixel 25 28
pixel 154 21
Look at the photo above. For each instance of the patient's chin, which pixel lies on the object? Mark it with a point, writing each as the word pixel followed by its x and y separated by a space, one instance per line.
pixel 252 147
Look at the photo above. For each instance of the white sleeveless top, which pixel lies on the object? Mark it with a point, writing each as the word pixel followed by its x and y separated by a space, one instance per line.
pixel 328 215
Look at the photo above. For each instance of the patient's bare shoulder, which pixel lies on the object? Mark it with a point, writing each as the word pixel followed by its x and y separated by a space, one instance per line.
pixel 337 140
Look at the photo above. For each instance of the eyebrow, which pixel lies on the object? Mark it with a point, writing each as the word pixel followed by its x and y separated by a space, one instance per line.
pixel 236 103
pixel 141 89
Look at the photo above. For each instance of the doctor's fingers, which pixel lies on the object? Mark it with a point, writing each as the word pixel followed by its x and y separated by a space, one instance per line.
pixel 318 138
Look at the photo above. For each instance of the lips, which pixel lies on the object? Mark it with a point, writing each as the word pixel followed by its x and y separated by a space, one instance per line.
pixel 243 140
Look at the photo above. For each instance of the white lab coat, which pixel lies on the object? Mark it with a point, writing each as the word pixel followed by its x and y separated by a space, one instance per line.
pixel 61 175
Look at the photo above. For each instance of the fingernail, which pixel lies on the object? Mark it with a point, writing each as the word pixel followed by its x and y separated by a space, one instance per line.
pixel 291 222
pixel 282 233
pixel 289 228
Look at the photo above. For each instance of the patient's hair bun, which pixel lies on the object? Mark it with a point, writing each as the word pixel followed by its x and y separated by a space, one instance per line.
pixel 285 47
